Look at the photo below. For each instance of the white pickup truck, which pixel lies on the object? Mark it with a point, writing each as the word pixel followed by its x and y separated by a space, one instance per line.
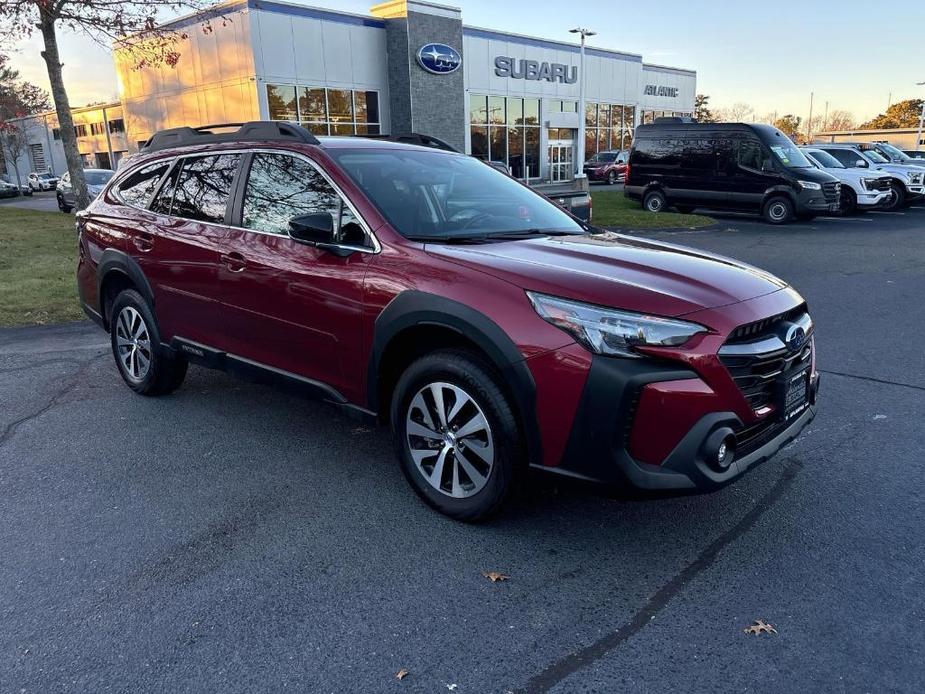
pixel 861 189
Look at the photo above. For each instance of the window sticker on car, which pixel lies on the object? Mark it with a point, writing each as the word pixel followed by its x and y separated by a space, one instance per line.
pixel 781 153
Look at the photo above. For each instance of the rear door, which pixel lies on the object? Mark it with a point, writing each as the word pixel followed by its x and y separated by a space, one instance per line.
pixel 290 305
pixel 180 245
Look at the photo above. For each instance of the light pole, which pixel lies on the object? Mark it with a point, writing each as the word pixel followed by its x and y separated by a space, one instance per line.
pixel 585 33
pixel 918 138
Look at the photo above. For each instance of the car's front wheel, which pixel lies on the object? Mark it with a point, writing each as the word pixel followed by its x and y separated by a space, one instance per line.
pixel 778 210
pixel 456 434
pixel 612 178
pixel 655 201
pixel 136 346
pixel 62 205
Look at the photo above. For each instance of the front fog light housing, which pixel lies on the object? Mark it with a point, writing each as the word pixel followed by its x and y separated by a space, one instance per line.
pixel 609 331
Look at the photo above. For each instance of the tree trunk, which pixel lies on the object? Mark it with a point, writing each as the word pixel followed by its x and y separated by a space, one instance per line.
pixel 63 107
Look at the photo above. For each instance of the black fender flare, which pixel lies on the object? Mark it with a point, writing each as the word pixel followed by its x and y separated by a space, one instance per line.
pixel 417 308
pixel 117 261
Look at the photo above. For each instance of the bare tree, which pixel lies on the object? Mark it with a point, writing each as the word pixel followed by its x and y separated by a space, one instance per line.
pixel 14 140
pixel 739 112
pixel 104 21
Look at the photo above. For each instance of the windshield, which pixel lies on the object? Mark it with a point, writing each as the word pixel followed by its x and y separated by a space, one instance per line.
pixel 790 156
pixel 895 154
pixel 876 157
pixel 97 178
pixel 824 159
pixel 45 176
pixel 604 157
pixel 445 196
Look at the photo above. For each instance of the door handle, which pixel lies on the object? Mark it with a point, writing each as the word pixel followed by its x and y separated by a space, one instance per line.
pixel 234 261
pixel 143 242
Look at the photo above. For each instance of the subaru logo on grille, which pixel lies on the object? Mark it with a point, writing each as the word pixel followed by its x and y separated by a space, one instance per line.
pixel 439 58
pixel 796 338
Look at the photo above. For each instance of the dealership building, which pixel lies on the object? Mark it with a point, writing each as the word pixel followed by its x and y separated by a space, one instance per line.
pixel 408 66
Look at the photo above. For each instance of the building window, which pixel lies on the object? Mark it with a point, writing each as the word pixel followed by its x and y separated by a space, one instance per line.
pixel 97 128
pixel 326 111
pixel 507 130
pixel 38 158
pixel 56 133
pixel 608 127
pixel 80 130
pixel 117 125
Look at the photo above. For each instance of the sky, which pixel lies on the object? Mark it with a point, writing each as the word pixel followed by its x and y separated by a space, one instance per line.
pixel 769 55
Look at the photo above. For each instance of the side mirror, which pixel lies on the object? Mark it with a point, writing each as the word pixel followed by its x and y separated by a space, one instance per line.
pixel 860 164
pixel 316 230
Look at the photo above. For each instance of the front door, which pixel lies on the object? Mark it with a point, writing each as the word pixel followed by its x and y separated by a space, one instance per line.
pixel 560 153
pixel 290 305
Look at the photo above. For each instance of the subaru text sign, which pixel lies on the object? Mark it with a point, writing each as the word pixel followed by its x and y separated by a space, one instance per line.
pixel 506 66
pixel 439 58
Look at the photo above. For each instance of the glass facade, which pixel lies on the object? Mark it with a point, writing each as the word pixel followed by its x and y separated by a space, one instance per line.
pixel 608 127
pixel 326 111
pixel 506 129
pixel 650 116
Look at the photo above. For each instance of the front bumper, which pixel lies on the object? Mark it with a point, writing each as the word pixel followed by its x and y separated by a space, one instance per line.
pixel 874 200
pixel 816 204
pixel 602 445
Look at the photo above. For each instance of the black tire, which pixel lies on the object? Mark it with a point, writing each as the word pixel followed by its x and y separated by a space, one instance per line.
pixel 654 201
pixel 63 206
pixel 778 210
pixel 163 374
pixel 477 380
pixel 898 199
pixel 684 209
pixel 612 178
pixel 849 200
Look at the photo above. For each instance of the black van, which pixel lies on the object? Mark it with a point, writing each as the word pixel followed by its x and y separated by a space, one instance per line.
pixel 733 166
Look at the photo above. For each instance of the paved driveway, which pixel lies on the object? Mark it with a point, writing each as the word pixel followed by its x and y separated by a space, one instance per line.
pixel 44 202
pixel 233 538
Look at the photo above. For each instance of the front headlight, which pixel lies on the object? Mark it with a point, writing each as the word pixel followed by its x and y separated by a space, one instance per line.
pixel 916 178
pixel 810 185
pixel 609 331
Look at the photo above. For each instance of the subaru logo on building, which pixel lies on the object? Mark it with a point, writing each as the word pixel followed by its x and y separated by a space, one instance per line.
pixel 796 338
pixel 439 58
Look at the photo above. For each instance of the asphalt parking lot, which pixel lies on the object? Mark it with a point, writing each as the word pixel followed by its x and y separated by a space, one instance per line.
pixel 232 538
pixel 41 201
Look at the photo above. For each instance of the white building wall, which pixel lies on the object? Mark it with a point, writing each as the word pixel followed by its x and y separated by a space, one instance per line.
pixel 308 47
pixel 664 79
pixel 213 82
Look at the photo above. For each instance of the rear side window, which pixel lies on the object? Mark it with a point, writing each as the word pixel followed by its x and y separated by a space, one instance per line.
pixel 137 187
pixel 200 190
pixel 845 156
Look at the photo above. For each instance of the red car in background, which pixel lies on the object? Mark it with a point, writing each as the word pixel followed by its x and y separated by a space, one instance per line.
pixel 420 288
pixel 607 167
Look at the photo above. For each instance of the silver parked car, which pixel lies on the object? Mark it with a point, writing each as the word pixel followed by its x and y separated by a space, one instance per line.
pixel 96 181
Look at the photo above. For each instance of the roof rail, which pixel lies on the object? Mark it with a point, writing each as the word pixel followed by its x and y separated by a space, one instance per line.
pixel 673 120
pixel 416 139
pixel 253 131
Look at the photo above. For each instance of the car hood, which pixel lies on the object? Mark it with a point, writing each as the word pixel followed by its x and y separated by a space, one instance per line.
pixel 855 175
pixel 894 168
pixel 622 272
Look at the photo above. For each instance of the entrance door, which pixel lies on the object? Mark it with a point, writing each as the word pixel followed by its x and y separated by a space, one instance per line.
pixel 561 159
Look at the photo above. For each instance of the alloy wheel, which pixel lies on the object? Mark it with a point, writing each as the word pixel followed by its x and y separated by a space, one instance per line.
pixel 777 211
pixel 133 344
pixel 450 439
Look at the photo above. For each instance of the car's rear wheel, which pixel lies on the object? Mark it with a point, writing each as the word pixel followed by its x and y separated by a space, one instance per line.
pixel 62 205
pixel 778 210
pixel 655 201
pixel 456 435
pixel 136 346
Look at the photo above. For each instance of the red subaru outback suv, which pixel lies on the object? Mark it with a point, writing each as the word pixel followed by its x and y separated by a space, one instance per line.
pixel 490 329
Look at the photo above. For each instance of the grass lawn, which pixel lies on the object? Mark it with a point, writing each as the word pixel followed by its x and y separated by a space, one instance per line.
pixel 613 209
pixel 38 262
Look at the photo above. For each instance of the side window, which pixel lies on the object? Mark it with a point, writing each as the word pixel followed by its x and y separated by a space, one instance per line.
pixel 203 186
pixel 136 188
pixel 845 156
pixel 751 154
pixel 281 187
pixel 698 154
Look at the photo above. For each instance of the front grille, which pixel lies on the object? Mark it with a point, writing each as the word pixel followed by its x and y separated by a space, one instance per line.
pixel 831 190
pixel 755 375
pixel 750 331
pixel 752 438
pixel 878 184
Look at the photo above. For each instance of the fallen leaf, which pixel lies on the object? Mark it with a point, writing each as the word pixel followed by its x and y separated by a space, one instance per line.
pixel 495 576
pixel 401 674
pixel 760 627
pixel 451 687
